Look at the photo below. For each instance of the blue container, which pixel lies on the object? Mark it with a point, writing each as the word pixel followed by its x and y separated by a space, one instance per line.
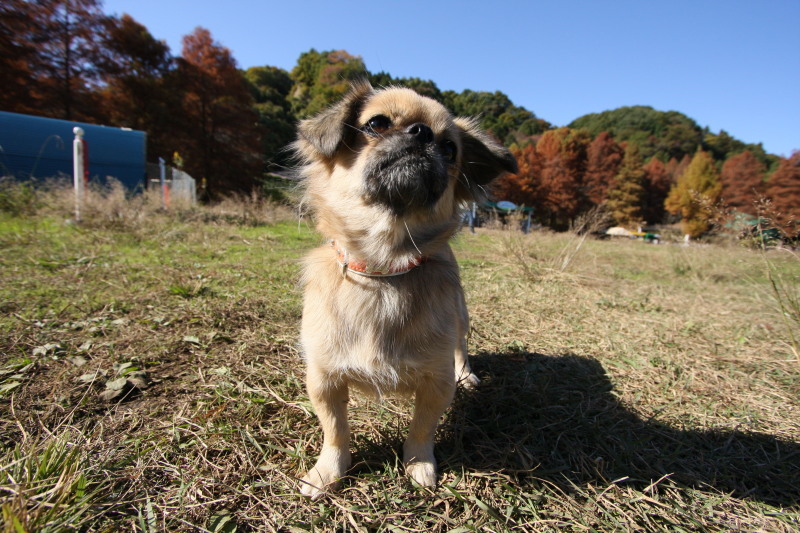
pixel 39 148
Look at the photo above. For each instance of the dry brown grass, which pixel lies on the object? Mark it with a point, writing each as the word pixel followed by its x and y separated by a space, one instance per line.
pixel 639 388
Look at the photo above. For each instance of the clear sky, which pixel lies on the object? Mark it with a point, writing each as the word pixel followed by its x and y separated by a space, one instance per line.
pixel 730 65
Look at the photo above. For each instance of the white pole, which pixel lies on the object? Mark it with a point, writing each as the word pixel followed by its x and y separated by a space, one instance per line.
pixel 78 171
pixel 162 173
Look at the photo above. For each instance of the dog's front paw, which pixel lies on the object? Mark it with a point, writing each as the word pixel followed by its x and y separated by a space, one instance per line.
pixel 330 467
pixel 424 473
pixel 469 381
pixel 420 463
pixel 318 480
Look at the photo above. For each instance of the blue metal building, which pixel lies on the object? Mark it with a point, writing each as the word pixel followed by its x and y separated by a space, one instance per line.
pixel 38 147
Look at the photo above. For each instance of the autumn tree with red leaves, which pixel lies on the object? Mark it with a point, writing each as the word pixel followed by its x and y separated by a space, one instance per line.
pixel 19 60
pixel 603 159
pixel 67 46
pixel 48 57
pixel 522 187
pixel 657 183
pixel 783 190
pixel 221 139
pixel 742 180
pixel 562 153
pixel 139 84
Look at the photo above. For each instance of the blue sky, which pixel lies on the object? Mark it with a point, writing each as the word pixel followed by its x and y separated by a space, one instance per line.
pixel 730 65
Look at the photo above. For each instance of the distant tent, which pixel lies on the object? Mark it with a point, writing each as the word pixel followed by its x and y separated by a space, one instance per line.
pixel 619 231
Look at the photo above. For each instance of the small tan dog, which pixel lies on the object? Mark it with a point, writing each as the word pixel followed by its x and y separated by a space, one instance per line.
pixel 386 174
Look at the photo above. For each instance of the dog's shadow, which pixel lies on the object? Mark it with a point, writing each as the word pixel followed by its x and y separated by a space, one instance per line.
pixel 556 418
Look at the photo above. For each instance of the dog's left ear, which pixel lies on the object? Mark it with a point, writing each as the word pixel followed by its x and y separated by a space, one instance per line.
pixel 482 159
pixel 323 133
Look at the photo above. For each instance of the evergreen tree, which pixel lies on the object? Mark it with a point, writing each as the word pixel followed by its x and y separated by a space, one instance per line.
pixel 320 78
pixel 695 195
pixel 626 197
pixel 270 87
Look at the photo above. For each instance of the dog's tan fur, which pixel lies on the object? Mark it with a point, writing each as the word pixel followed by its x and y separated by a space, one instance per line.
pixel 403 334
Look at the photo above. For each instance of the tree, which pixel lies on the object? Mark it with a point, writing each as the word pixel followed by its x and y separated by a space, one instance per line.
pixel 626 196
pixel 138 88
pixel 270 87
pixel 695 195
pixel 221 142
pixel 67 48
pixel 562 153
pixel 723 146
pixel 320 78
pixel 603 159
pixel 783 189
pixel 742 180
pixel 424 87
pixel 18 57
pixel 657 182
pixel 508 122
pixel 664 134
pixel 521 188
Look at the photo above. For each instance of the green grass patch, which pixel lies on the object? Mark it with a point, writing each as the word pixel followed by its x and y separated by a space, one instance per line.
pixel 150 380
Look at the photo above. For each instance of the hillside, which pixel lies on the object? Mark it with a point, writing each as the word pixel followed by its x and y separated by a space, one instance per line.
pixel 666 134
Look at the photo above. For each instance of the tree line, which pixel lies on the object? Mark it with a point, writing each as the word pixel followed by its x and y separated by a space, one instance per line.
pixel 566 171
pixel 229 127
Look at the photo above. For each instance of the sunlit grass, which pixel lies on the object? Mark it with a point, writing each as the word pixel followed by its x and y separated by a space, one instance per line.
pixel 640 387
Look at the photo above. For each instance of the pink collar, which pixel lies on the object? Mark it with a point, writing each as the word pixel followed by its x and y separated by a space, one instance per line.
pixel 361 268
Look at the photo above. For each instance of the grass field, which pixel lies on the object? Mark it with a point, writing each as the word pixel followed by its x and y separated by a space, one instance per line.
pixel 150 381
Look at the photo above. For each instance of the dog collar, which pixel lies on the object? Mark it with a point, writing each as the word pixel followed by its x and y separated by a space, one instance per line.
pixel 361 268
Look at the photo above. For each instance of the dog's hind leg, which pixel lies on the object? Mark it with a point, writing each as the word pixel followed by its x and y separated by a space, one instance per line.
pixel 432 398
pixel 464 375
pixel 330 403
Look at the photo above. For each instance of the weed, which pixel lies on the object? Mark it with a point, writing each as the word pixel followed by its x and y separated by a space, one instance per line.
pixel 18 198
pixel 48 485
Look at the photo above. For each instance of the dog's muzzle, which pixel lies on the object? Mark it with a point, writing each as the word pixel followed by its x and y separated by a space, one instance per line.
pixel 407 170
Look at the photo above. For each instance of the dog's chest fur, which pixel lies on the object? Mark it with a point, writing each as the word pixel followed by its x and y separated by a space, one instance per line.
pixel 383 334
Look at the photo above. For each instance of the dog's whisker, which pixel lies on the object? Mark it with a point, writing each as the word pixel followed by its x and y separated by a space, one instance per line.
pixel 412 238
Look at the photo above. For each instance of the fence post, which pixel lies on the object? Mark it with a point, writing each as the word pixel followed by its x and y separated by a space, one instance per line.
pixel 162 172
pixel 78 170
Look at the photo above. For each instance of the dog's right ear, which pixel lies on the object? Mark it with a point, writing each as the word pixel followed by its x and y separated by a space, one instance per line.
pixel 322 134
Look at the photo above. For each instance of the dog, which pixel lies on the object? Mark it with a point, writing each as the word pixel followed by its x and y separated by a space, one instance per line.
pixel 385 174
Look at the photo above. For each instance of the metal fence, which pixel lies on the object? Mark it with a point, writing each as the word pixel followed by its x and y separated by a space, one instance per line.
pixel 175 184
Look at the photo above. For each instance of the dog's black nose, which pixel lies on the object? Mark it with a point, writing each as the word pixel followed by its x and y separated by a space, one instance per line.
pixel 422 133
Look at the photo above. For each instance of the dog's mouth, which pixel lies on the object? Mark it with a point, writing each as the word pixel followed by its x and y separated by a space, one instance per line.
pixel 406 178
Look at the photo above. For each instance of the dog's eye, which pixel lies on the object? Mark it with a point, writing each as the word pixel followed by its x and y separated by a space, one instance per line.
pixel 377 125
pixel 450 151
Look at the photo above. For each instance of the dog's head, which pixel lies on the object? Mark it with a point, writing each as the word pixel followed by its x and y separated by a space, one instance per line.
pixel 397 153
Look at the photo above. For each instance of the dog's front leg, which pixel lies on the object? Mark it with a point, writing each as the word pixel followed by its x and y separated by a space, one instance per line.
pixel 432 398
pixel 330 403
